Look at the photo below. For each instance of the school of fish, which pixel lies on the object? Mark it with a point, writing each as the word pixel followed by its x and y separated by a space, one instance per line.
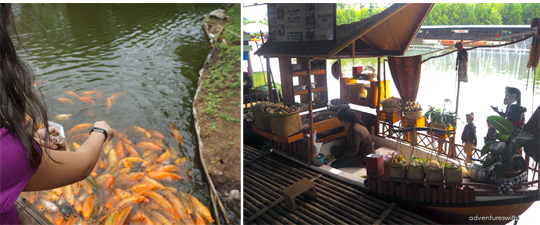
pixel 132 183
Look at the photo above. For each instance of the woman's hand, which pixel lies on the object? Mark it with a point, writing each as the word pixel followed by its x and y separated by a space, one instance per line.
pixel 106 127
pixel 39 136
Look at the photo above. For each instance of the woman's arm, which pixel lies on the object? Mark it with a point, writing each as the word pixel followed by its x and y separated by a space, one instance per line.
pixel 71 166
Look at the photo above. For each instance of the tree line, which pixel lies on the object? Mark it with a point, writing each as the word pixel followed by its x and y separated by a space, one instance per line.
pixel 452 13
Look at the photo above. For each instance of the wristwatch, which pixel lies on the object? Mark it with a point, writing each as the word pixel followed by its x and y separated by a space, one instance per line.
pixel 100 130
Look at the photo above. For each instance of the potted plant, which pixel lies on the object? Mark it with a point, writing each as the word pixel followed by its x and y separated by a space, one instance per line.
pixel 411 110
pixel 440 118
pixel 398 167
pixel 503 155
pixel 416 169
pixel 453 172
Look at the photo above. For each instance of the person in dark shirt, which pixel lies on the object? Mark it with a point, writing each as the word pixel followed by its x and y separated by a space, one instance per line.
pixel 461 62
pixel 468 137
pixel 359 143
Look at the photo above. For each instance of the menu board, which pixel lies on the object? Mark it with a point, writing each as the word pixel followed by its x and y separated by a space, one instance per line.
pixel 288 22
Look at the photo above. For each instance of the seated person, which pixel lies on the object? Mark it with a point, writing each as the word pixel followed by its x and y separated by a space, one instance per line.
pixel 359 143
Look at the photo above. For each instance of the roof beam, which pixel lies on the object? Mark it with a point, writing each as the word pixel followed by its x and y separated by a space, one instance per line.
pixel 393 35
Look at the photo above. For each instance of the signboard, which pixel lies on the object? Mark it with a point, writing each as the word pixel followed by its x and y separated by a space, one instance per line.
pixel 461 31
pixel 289 22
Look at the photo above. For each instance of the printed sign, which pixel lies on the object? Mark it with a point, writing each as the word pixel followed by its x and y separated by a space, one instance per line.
pixel 289 22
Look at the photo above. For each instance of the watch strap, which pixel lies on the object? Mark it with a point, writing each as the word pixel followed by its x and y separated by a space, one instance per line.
pixel 100 130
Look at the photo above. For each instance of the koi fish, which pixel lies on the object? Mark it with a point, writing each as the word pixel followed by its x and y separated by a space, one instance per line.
pixel 165 176
pixel 149 160
pixel 200 220
pixel 73 221
pixel 122 172
pixel 59 192
pixel 65 100
pixel 108 148
pixel 147 179
pixel 59 219
pixel 63 116
pixel 156 134
pixel 112 157
pixel 49 217
pixel 76 187
pixel 159 200
pixel 132 151
pixel 102 163
pixel 152 168
pixel 148 153
pixel 78 206
pixel 184 199
pixel 160 218
pixel 87 100
pixel 200 208
pixel 66 208
pixel 68 194
pixel 81 126
pixel 141 130
pixel 112 218
pixel 131 159
pixel 177 134
pixel 102 179
pixel 71 93
pixel 38 83
pixel 140 217
pixel 50 196
pixel 76 146
pixel 148 146
pixel 180 160
pixel 86 186
pixel 135 176
pixel 120 149
pixel 168 168
pixel 144 187
pixel 123 216
pixel 113 97
pixel 108 207
pixel 31 196
pixel 177 205
pixel 88 92
pixel 130 201
pixel 39 206
pixel 110 102
pixel 49 205
pixel 93 174
pixel 165 157
pixel 88 207
pixel 122 193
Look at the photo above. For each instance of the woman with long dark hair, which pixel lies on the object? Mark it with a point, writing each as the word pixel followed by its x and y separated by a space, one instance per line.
pixel 27 162
pixel 359 143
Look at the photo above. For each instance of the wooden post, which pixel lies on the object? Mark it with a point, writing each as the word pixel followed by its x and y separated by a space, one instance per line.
pixel 379 94
pixel 421 194
pixel 452 152
pixel 454 195
pixel 310 102
pixel 392 191
pixel 270 89
pixel 441 194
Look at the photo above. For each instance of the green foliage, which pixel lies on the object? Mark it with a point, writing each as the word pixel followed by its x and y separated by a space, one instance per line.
pixel 439 117
pixel 229 118
pixel 354 12
pixel 483 14
pixel 502 153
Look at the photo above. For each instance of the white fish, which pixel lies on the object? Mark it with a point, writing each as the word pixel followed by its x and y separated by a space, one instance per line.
pixel 63 116
pixel 49 205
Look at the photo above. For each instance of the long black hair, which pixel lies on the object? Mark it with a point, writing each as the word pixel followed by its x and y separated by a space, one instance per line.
pixel 345 114
pixel 21 111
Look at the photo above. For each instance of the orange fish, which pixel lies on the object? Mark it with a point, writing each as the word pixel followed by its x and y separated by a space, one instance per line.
pixel 165 157
pixel 108 207
pixel 147 179
pixel 102 163
pixel 103 178
pixel 173 190
pixel 140 130
pixel 63 117
pixel 180 160
pixel 144 187
pixel 131 159
pixel 125 140
pixel 132 151
pixel 65 100
pixel 169 168
pixel 88 207
pixel 108 147
pixel 73 220
pixel 38 83
pixel 160 201
pixel 130 201
pixel 87 100
pixel 120 149
pixel 49 217
pixel 93 174
pixel 81 126
pixel 177 134
pixel 135 176
pixel 200 220
pixel 76 146
pixel 76 188
pixel 160 218
pixel 110 102
pixel 68 194
pixel 39 206
pixel 203 210
pixel 156 134
pixel 121 173
pixel 148 146
pixel 86 186
pixel 113 97
pixel 112 218
pixel 78 206
pixel 165 176
pixel 50 196
pixel 152 168
pixel 184 199
pixel 88 92
pixel 59 192
pixel 150 160
pixel 123 216
pixel 122 193
pixel 71 93
pixel 112 158
pixel 59 219
pixel 140 217
pixel 148 153
pixel 177 205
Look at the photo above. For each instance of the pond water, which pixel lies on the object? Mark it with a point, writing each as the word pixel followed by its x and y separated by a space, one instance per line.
pixel 152 52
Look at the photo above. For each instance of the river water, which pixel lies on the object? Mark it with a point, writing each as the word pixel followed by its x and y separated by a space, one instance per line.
pixel 152 52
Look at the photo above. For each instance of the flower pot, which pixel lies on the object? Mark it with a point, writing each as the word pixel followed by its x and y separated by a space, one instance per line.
pixel 398 171
pixel 435 175
pixel 416 173
pixel 453 175
pixel 413 115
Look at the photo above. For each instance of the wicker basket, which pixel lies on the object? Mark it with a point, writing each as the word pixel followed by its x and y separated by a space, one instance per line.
pixel 390 109
pixel 261 121
pixel 415 172
pixel 286 126
pixel 435 175
pixel 413 115
pixel 398 171
pixel 453 175
pixel 354 90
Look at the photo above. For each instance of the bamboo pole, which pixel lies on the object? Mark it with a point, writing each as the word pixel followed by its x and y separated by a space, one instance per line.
pixel 311 138
pixel 270 90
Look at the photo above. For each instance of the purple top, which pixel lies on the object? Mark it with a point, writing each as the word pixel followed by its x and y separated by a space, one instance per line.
pixel 15 172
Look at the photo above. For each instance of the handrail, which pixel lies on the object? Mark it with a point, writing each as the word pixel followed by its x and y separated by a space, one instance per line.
pixel 457 183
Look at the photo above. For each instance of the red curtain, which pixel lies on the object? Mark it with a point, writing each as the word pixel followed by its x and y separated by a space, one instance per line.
pixel 406 74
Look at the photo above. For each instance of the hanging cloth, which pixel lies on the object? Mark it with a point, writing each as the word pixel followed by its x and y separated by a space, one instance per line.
pixel 534 54
pixel 406 74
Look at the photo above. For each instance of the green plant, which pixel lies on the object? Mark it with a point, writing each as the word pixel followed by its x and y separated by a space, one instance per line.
pixel 502 152
pixel 214 126
pixel 441 117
